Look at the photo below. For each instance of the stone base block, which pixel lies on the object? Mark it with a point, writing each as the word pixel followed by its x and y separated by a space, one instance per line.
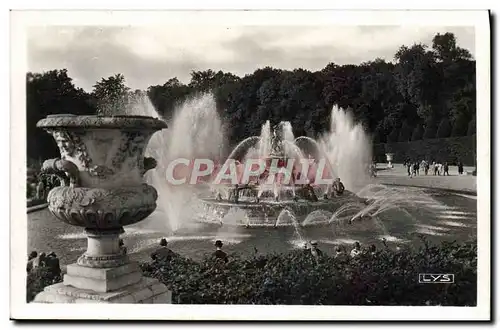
pixel 146 291
pixel 102 279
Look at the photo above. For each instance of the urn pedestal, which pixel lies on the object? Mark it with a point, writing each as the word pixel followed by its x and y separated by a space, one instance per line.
pixel 389 157
pixel 102 165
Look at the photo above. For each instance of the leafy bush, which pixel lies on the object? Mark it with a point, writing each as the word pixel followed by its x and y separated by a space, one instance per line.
pixel 37 280
pixel 445 150
pixel 387 278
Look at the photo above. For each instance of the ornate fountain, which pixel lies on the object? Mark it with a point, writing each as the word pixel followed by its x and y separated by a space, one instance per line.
pixel 263 204
pixel 102 190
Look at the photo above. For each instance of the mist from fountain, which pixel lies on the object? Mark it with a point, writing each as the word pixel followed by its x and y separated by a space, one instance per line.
pixel 195 132
pixel 348 148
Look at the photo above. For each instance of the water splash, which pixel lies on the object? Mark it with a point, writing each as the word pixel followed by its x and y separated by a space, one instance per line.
pixel 348 148
pixel 195 132
pixel 317 217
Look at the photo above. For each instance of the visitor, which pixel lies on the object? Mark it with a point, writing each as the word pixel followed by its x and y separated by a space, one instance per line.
pixel 435 168
pixel 372 250
pixel 308 192
pixel 339 251
pixel 460 168
pixel 417 168
pixel 426 167
pixel 338 187
pixel 163 253
pixel 440 168
pixel 408 167
pixel 356 250
pixel 39 261
pixel 31 258
pixel 315 252
pixel 123 248
pixel 219 254
pixel 445 169
pixel 52 263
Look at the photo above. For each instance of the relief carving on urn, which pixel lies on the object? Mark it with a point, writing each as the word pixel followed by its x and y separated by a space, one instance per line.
pixel 102 163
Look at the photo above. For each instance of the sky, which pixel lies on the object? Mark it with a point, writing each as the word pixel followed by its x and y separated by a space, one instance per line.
pixel 148 55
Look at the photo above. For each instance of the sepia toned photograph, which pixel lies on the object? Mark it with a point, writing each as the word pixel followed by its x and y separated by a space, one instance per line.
pixel 253 160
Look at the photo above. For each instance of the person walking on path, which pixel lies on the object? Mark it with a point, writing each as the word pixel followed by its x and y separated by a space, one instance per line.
pixel 460 168
pixel 445 169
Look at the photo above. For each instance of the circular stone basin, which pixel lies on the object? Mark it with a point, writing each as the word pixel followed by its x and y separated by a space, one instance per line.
pixel 267 212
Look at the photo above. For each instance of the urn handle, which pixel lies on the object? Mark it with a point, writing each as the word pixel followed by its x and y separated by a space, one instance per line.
pixel 149 164
pixel 64 169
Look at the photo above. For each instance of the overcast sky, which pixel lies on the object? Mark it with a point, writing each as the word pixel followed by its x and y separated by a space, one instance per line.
pixel 152 55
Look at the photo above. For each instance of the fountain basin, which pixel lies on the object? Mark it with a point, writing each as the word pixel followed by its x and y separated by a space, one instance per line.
pixel 265 213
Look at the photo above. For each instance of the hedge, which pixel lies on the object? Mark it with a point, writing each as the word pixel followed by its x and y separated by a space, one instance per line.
pixel 386 278
pixel 443 150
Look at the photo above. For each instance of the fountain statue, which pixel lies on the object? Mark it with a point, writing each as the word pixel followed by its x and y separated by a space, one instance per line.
pixel 102 166
pixel 296 180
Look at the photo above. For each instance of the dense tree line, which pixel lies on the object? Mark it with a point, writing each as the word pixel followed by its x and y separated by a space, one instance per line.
pixel 425 93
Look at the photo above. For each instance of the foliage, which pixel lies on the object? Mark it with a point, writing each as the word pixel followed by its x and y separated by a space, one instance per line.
pixel 418 133
pixel 52 92
pixel 430 130
pixel 421 87
pixel 444 129
pixel 387 278
pixel 444 150
pixel 471 130
pixel 37 280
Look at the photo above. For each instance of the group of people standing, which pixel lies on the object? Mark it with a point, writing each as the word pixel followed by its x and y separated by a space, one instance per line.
pixel 49 261
pixel 164 254
pixel 340 251
pixel 436 168
pixel 42 185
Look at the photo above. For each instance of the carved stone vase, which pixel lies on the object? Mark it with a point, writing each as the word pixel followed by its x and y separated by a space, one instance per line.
pixel 101 168
pixel 389 158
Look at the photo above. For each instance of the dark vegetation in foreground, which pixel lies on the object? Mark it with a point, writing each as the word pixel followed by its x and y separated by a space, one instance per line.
pixel 386 278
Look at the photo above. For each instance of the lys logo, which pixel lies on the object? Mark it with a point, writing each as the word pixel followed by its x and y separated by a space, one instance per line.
pixel 436 278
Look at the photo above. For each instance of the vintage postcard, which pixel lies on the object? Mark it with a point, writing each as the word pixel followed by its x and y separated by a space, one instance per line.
pixel 250 165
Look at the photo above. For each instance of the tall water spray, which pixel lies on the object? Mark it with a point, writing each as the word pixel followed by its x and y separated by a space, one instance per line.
pixel 348 148
pixel 196 131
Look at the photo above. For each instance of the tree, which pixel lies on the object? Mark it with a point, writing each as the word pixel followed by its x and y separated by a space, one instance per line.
pixel 418 133
pixel 471 130
pixel 446 50
pixel 444 129
pixel 111 95
pixel 460 126
pixel 394 135
pixel 51 92
pixel 430 130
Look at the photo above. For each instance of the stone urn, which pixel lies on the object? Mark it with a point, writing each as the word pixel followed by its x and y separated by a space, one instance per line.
pixel 101 167
pixel 389 157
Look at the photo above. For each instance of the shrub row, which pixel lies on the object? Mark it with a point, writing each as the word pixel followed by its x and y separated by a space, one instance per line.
pixel 386 278
pixel 448 150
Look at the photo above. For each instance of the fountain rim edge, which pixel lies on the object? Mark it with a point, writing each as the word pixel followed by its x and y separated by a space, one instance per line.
pixel 100 121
